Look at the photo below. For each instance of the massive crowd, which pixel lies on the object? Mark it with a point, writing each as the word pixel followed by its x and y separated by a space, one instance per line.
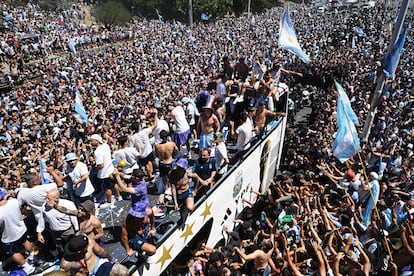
pixel 162 84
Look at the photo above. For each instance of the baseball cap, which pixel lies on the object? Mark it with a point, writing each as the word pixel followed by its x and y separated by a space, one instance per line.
pixel 182 163
pixel 97 137
pixel 71 156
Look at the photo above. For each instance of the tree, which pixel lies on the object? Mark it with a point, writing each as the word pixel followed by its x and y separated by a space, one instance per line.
pixel 111 13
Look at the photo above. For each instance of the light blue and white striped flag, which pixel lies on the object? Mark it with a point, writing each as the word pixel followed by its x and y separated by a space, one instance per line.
pixel 288 39
pixel 350 114
pixel 346 142
pixel 43 178
pixel 393 57
pixel 79 109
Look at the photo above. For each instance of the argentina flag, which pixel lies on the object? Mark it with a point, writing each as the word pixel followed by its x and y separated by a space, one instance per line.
pixel 288 39
pixel 44 179
pixel 346 142
pixel 393 57
pixel 79 109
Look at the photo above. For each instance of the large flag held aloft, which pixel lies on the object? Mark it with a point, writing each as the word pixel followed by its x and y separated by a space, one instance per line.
pixel 393 57
pixel 79 109
pixel 346 142
pixel 288 39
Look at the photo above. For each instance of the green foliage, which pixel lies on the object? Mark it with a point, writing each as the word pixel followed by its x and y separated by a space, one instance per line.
pixel 51 5
pixel 17 3
pixel 111 13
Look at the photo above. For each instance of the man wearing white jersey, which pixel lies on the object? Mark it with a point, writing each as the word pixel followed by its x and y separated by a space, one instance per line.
pixel 141 140
pixel 13 232
pixel 103 162
pixel 35 197
pixel 61 225
pixel 127 153
pixel 182 128
pixel 79 175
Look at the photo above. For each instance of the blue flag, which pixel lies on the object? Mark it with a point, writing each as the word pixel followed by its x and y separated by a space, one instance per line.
pixel 359 31
pixel 8 17
pixel 79 109
pixel 72 46
pixel 43 178
pixel 346 142
pixel 191 37
pixel 350 114
pixel 393 57
pixel 204 17
pixel 288 39
pixel 160 18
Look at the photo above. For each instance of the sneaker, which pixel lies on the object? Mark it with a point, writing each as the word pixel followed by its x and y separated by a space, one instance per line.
pixel 29 269
pixel 106 204
pixel 52 263
pixel 119 198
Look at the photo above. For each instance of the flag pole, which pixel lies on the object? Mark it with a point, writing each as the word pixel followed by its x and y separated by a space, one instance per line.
pixel 367 181
pixel 376 99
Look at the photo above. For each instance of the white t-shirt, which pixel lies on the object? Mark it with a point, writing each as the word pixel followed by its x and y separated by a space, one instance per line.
pixel 12 225
pixel 220 153
pixel 144 141
pixel 181 124
pixel 130 155
pixel 162 125
pixel 189 110
pixel 102 155
pixel 35 197
pixel 58 221
pixel 84 188
pixel 221 91
pixel 244 135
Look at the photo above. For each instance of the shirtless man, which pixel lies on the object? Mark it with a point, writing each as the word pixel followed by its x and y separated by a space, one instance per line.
pixel 208 124
pixel 164 151
pixel 262 113
pixel 83 256
pixel 181 191
pixel 89 224
pixel 260 257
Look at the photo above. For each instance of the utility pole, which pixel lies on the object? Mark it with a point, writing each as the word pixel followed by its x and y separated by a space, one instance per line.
pixel 381 79
pixel 248 9
pixel 190 13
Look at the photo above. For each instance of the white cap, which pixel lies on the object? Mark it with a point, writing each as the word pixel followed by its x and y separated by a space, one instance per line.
pixel 97 137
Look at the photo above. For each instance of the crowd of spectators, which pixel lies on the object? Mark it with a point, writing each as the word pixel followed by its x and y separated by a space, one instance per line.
pixel 316 217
